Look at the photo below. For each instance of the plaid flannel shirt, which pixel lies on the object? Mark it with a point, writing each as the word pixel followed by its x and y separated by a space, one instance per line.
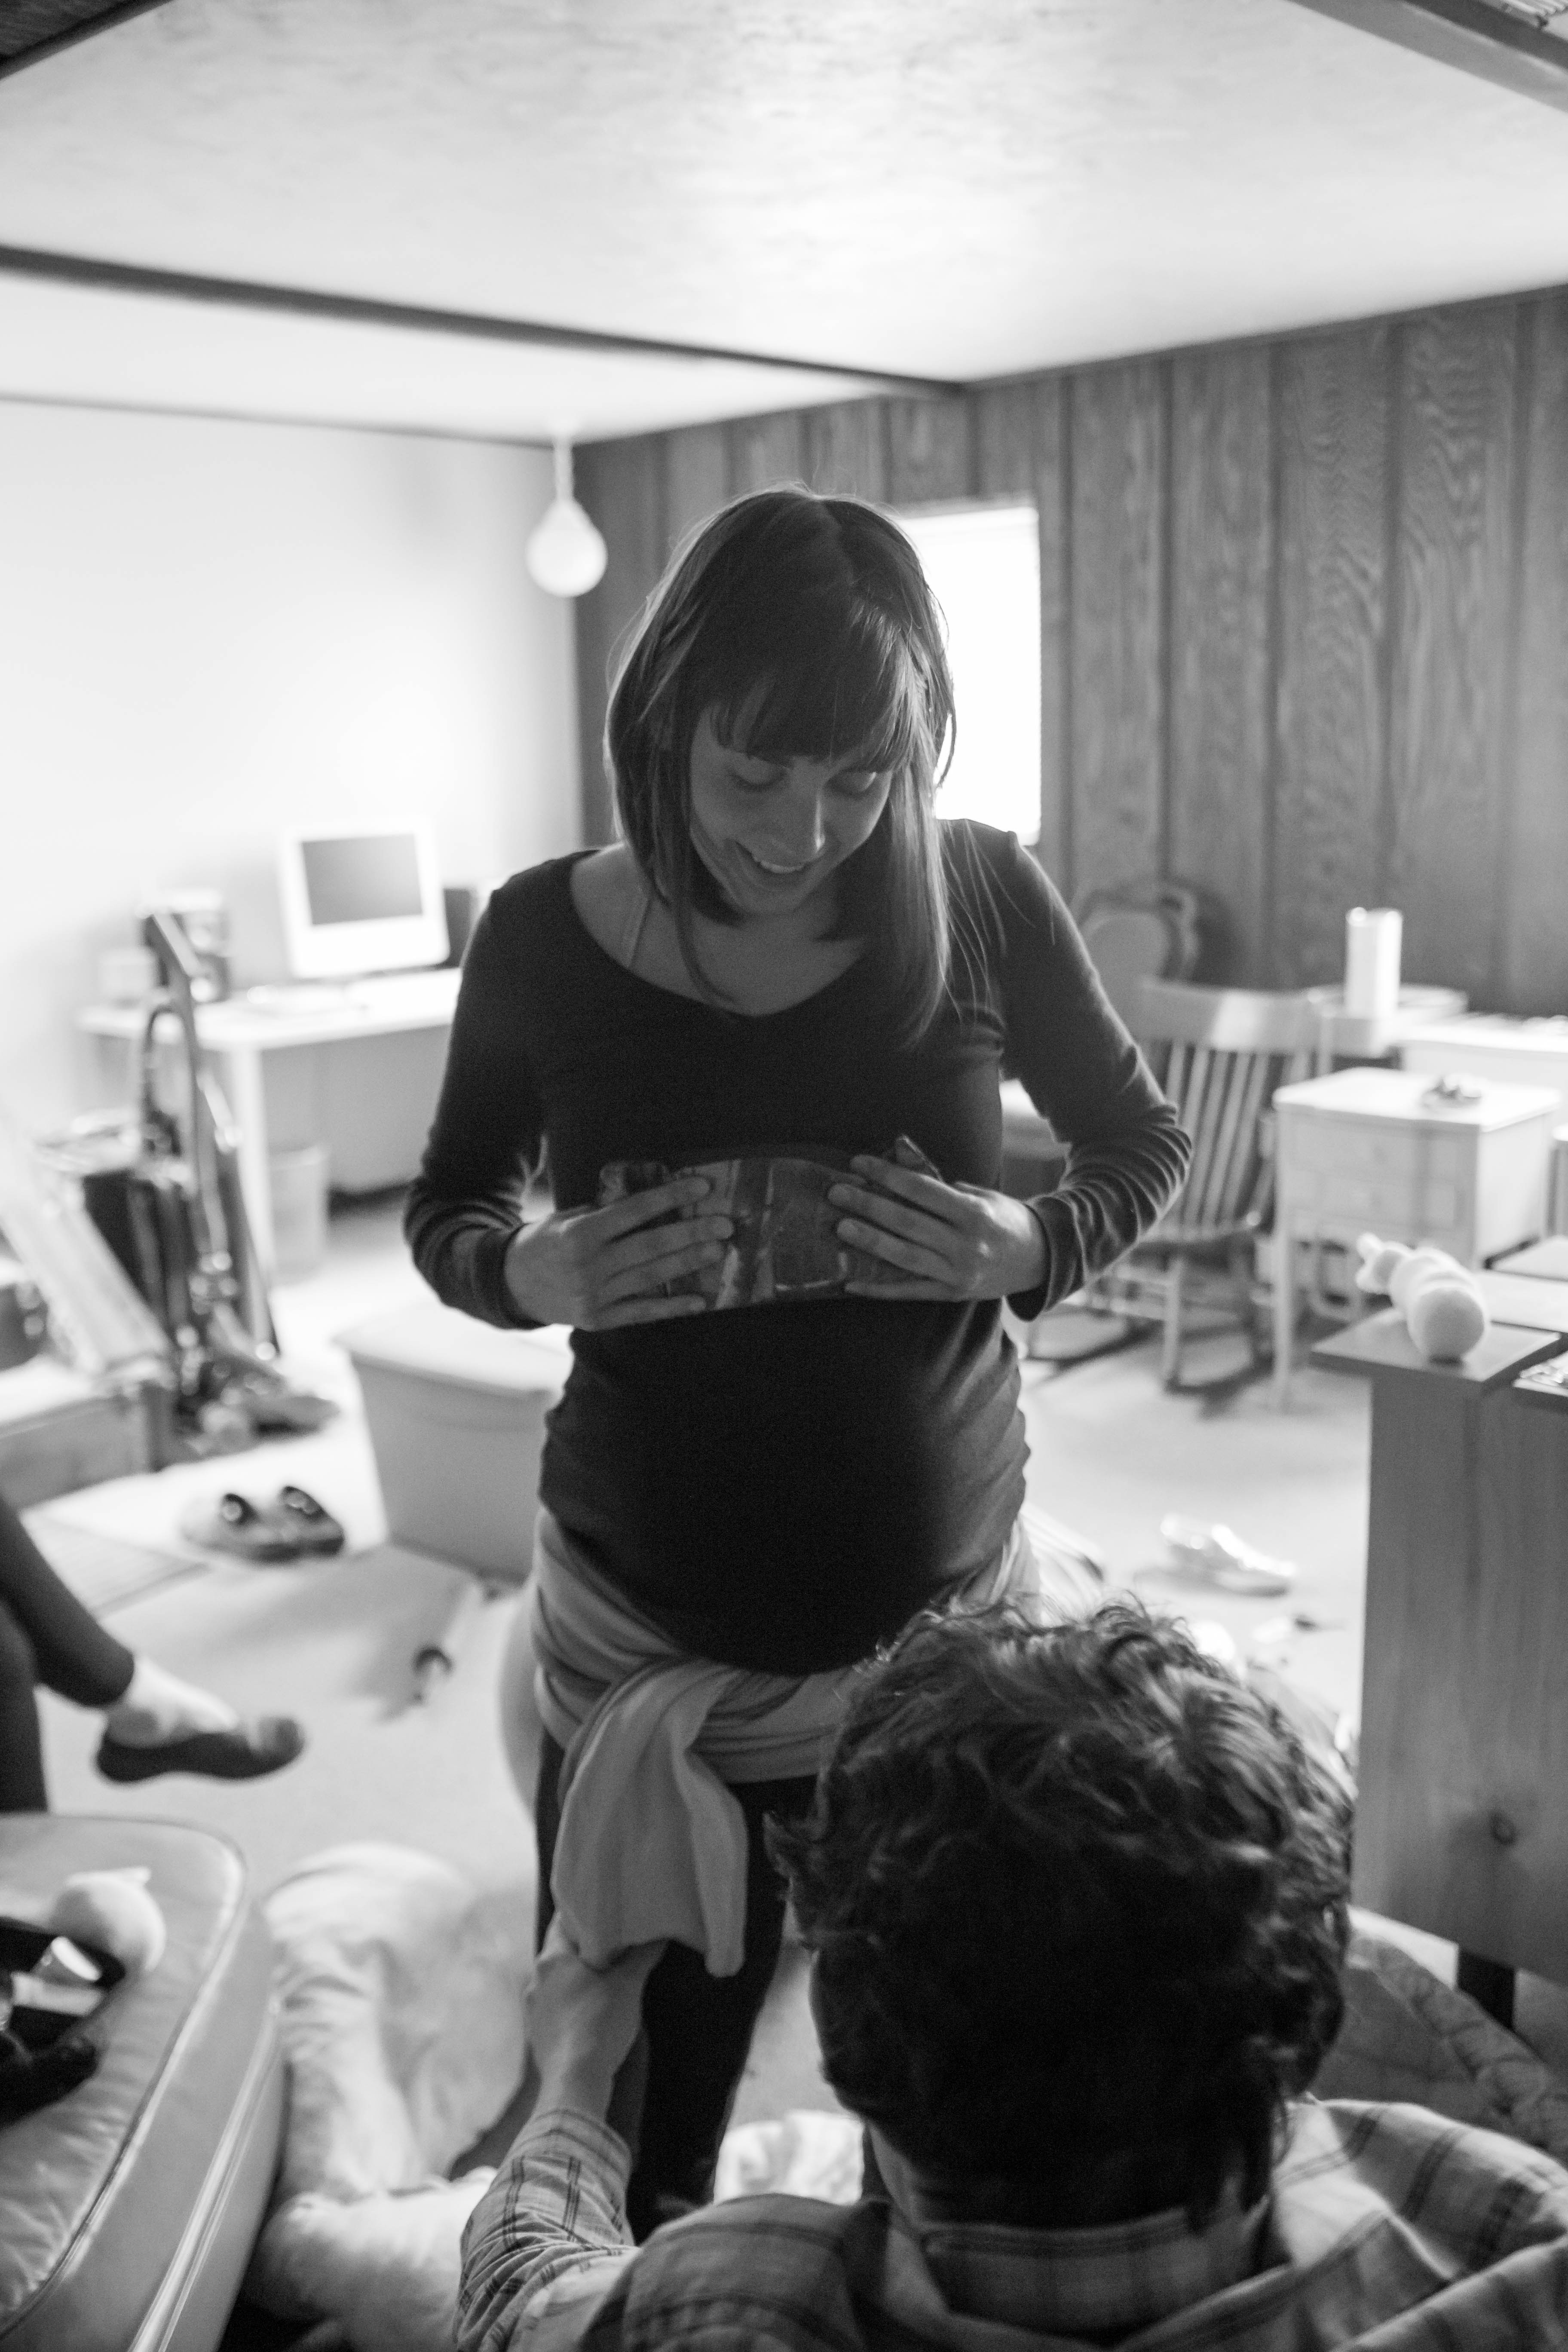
pixel 1385 2226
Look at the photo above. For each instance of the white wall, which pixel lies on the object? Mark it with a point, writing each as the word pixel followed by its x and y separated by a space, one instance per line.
pixel 211 630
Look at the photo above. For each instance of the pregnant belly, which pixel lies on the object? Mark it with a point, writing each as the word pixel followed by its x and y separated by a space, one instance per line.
pixel 792 1483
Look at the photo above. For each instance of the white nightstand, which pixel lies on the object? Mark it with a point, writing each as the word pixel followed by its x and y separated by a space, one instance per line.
pixel 1369 1150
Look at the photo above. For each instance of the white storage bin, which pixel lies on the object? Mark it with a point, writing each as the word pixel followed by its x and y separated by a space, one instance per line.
pixel 456 1409
pixel 298 1182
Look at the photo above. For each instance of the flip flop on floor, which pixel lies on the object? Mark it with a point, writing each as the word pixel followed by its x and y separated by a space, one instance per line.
pixel 1219 1556
pixel 244 1752
pixel 232 1522
pixel 309 1524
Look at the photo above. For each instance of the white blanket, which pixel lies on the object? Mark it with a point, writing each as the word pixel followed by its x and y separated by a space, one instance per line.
pixel 401 1987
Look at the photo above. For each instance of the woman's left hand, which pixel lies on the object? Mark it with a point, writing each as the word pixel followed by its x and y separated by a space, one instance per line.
pixel 947 1241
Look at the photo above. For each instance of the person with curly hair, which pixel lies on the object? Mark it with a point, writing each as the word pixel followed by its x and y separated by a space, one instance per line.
pixel 1077 1903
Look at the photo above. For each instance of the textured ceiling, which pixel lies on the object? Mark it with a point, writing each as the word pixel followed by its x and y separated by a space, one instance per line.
pixel 948 188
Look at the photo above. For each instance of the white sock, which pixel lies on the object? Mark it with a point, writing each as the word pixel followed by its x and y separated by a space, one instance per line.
pixel 158 1707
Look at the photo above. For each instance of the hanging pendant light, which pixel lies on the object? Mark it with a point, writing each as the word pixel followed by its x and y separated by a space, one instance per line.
pixel 564 552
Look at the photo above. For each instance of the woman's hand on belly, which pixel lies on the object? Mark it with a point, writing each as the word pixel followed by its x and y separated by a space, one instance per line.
pixel 946 1241
pixel 596 1268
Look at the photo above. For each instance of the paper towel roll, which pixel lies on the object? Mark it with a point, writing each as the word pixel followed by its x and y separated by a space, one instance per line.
pixel 1372 961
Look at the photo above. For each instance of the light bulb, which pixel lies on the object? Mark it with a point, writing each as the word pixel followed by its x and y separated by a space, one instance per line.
pixel 564 552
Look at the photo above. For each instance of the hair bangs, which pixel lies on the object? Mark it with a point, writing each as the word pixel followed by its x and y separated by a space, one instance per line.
pixel 850 692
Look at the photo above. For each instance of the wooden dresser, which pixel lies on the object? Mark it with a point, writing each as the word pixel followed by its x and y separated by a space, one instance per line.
pixel 1462 1821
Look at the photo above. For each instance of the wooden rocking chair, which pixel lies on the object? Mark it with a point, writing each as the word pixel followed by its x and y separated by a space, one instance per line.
pixel 1219 1054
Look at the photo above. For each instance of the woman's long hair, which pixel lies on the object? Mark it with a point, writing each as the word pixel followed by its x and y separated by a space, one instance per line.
pixel 805 627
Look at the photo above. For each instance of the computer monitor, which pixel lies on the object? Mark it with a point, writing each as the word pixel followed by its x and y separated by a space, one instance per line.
pixel 360 899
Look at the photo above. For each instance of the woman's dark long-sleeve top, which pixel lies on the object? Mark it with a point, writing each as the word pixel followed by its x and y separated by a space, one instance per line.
pixel 781 1486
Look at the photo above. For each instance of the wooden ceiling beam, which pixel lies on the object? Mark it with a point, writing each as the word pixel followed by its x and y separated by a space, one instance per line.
pixel 358 309
pixel 32 30
pixel 1479 36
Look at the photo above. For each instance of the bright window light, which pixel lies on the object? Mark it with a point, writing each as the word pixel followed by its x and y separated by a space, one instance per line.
pixel 983 566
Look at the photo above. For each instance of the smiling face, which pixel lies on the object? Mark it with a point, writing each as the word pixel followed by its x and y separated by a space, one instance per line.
pixel 772 833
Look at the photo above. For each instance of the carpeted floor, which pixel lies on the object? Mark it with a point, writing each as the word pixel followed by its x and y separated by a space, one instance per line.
pixel 1111 1453
pixel 104 1570
pixel 333 1646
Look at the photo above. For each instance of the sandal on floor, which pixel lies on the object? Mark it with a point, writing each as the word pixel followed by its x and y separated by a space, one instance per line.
pixel 307 1523
pixel 1221 1558
pixel 232 1522
pixel 243 1753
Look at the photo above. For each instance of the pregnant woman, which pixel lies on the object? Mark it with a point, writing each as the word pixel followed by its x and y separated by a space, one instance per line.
pixel 761 1038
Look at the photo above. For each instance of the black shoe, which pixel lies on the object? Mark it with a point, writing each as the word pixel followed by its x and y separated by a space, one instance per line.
pixel 307 1523
pixel 232 1522
pixel 243 1753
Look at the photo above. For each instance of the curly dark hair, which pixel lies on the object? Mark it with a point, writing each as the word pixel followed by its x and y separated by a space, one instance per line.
pixel 1078 1899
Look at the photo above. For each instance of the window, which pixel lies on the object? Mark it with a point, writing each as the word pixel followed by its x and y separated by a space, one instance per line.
pixel 983 566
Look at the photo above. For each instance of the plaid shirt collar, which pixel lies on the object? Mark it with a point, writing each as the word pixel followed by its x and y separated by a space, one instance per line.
pixel 1380 2221
pixel 1099 2282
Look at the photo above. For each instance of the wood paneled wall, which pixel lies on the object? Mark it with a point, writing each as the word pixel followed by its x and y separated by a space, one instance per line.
pixel 1304 619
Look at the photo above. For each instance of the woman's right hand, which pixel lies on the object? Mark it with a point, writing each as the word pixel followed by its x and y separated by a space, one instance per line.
pixel 597 1269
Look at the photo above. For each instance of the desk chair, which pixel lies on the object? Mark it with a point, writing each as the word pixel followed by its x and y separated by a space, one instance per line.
pixel 1219 1054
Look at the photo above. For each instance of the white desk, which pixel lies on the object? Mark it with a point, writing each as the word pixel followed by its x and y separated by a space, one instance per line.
pixel 242 1031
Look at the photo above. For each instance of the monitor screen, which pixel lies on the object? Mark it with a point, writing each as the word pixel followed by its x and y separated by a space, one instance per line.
pixel 361 899
pixel 363 877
